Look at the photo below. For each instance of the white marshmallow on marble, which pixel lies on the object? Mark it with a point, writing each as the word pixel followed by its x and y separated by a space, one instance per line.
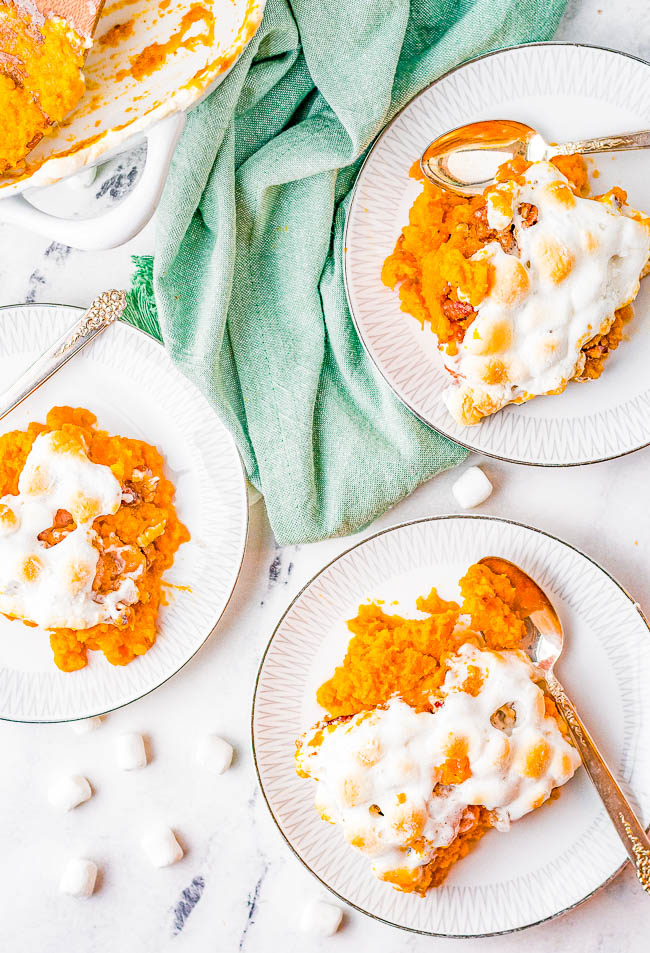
pixel 472 488
pixel 86 725
pixel 79 878
pixel 69 792
pixel 161 847
pixel 320 918
pixel 130 751
pixel 213 753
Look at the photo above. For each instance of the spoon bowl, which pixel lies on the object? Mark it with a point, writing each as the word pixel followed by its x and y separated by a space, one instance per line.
pixel 466 159
pixel 544 637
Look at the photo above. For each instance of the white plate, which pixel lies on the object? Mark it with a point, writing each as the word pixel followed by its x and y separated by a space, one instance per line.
pixel 553 858
pixel 129 382
pixel 567 92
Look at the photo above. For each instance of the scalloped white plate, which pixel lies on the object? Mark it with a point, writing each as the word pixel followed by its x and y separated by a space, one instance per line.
pixel 551 859
pixel 567 92
pixel 129 382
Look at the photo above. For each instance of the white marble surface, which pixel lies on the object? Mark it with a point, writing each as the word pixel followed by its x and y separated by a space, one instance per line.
pixel 238 886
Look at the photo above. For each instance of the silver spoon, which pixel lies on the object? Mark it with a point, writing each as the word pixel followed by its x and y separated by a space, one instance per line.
pixel 466 159
pixel 105 309
pixel 543 643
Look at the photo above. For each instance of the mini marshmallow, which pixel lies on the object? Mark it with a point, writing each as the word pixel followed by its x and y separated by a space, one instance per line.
pixel 79 878
pixel 472 488
pixel 69 792
pixel 213 753
pixel 86 725
pixel 161 847
pixel 130 751
pixel 321 918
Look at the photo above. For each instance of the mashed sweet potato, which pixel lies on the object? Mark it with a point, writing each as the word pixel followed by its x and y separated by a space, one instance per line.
pixel 41 79
pixel 146 523
pixel 389 655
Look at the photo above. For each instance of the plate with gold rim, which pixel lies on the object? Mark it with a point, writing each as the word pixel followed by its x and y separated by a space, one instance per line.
pixel 552 859
pixel 566 91
pixel 127 379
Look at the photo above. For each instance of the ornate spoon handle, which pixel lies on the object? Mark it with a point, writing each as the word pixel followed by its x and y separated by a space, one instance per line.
pixel 628 826
pixel 629 140
pixel 104 310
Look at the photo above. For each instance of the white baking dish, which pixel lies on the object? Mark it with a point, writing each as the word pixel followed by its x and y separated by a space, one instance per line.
pixel 118 110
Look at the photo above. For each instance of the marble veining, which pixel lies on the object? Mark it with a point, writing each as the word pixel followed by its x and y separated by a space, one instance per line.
pixel 253 899
pixel 190 896
pixel 239 887
pixel 122 180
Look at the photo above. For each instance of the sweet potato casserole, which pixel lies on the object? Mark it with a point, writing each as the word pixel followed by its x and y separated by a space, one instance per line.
pixel 87 528
pixel 438 729
pixel 526 287
pixel 41 78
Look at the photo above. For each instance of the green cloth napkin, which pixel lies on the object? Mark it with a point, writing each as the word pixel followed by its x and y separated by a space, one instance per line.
pixel 247 273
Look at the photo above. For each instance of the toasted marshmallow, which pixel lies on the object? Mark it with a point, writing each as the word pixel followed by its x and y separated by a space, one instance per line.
pixel 576 264
pixel 9 521
pixel 52 586
pixel 402 807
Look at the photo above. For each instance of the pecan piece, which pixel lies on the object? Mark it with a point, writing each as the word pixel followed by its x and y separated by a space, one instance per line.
pixel 456 310
pixel 506 238
pixel 529 214
pixel 130 494
pixel 483 231
pixel 62 525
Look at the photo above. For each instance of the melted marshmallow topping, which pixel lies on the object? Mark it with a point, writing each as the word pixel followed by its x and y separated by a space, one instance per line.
pixel 52 587
pixel 578 261
pixel 381 773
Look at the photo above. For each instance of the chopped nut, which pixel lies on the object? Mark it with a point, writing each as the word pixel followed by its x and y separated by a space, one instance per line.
pixel 151 533
pixel 456 310
pixel 62 525
pixel 529 214
pixel 130 494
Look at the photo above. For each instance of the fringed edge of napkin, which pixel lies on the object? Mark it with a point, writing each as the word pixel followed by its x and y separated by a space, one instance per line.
pixel 140 308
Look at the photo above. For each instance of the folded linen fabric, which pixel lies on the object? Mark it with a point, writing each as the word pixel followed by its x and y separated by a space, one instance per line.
pixel 246 288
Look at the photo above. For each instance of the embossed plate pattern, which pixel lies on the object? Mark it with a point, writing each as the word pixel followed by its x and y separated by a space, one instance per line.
pixel 550 860
pixel 567 92
pixel 127 379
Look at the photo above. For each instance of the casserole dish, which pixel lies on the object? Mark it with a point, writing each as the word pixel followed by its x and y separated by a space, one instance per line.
pixel 149 65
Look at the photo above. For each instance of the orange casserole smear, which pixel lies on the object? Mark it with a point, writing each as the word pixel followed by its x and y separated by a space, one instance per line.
pixel 149 526
pixel 153 56
pixel 389 655
pixel 41 79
